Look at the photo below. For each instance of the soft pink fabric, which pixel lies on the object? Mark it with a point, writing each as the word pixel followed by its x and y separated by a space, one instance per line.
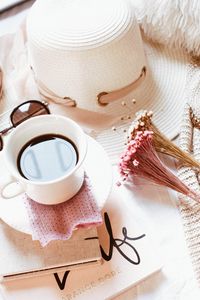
pixel 57 222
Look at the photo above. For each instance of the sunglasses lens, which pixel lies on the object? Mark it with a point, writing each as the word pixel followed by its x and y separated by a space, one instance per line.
pixel 28 110
pixel 1 143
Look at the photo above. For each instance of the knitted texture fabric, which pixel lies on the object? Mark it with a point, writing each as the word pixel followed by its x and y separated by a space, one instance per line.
pixel 189 141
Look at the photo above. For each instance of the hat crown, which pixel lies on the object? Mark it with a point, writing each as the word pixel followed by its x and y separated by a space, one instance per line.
pixel 80 49
pixel 78 24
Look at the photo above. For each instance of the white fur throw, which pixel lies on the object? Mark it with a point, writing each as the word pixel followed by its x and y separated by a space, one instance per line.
pixel 171 22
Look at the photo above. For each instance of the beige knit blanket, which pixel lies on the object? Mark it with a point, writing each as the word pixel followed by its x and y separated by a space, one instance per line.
pixel 189 141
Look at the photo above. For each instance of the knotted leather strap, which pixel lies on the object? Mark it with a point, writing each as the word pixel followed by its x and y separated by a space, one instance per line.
pixel 103 99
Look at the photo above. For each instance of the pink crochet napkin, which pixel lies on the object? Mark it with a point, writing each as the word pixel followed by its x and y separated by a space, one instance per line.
pixel 57 222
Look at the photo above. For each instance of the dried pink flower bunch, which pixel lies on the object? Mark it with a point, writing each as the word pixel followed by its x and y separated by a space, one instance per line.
pixel 141 159
pixel 143 121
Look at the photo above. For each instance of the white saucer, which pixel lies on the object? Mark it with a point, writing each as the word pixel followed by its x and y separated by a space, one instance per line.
pixel 98 169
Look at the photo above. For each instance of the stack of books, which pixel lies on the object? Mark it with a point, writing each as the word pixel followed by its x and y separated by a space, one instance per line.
pixel 21 257
pixel 91 265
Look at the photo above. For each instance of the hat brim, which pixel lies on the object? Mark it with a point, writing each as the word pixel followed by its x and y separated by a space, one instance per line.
pixel 163 92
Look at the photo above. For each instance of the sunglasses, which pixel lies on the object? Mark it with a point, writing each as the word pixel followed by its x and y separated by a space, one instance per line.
pixel 23 112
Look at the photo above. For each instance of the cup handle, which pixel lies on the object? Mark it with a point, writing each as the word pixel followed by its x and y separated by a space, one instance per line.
pixel 5 189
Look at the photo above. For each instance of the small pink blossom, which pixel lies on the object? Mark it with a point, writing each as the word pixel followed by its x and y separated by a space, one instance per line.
pixel 135 162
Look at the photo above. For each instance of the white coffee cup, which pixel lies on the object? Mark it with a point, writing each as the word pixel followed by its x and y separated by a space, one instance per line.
pixel 53 191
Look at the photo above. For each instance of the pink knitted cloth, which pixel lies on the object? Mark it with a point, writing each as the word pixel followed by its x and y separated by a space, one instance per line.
pixel 57 222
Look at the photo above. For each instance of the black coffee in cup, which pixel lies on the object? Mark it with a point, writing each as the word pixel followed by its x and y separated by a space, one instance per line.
pixel 47 157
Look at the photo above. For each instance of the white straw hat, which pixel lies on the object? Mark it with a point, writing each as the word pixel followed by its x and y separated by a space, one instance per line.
pixel 89 54
pixel 87 51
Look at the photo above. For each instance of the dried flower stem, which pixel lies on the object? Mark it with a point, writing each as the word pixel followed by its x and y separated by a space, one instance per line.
pixel 161 143
pixel 140 159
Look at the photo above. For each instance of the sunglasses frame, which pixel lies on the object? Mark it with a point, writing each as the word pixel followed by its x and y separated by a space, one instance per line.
pixel 43 104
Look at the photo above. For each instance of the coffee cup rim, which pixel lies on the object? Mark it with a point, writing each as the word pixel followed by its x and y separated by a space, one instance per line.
pixel 17 175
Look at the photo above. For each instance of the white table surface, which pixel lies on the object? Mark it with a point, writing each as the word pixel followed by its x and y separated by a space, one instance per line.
pixel 176 280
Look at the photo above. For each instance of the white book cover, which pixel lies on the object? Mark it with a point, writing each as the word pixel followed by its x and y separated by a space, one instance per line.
pixel 129 251
pixel 20 256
